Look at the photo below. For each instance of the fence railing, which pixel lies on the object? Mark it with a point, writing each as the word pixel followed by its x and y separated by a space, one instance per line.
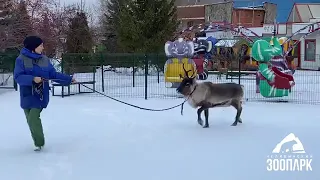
pixel 120 75
pixel 142 76
pixel 7 63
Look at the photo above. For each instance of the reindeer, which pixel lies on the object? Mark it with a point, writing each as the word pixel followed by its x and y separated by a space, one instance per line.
pixel 208 95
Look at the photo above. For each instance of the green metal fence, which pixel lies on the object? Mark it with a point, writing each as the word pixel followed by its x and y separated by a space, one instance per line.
pixel 124 75
pixel 142 76
pixel 7 62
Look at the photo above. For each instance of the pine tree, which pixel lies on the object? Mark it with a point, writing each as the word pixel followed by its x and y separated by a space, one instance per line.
pixel 6 13
pixel 20 28
pixel 110 23
pixel 47 34
pixel 79 39
pixel 145 25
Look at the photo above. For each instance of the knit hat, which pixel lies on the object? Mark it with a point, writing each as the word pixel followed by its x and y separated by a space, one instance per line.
pixel 32 42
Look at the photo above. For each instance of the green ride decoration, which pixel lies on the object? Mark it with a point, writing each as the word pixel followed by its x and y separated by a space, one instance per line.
pixel 273 82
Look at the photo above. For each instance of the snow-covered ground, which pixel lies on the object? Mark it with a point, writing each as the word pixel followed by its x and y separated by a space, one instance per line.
pixel 92 137
pixel 89 137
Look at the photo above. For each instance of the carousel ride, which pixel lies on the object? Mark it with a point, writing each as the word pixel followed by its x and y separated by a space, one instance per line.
pixel 202 58
pixel 272 82
pixel 178 52
pixel 210 53
pixel 274 76
pixel 278 61
pixel 195 53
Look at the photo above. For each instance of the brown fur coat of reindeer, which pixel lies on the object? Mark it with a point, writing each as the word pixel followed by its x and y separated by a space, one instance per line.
pixel 208 95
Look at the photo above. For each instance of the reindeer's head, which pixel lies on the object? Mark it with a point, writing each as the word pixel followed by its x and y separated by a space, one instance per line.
pixel 188 83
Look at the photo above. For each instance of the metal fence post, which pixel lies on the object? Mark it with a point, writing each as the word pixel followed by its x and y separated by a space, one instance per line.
pixel 133 71
pixel 145 77
pixel 102 71
pixel 158 68
pixel 15 84
pixel 239 70
pixel 62 70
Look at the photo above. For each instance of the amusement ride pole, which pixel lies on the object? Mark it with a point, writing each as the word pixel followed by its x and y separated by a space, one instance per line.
pixel 274 28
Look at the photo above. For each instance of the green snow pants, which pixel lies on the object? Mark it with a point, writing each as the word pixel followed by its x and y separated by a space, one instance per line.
pixel 35 126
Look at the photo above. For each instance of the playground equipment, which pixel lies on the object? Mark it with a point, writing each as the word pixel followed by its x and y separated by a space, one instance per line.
pixel 178 52
pixel 202 56
pixel 211 27
pixel 273 83
pixel 281 62
pixel 313 27
pixel 284 62
pixel 199 58
pixel 231 52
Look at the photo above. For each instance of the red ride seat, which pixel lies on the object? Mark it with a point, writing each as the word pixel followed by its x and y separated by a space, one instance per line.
pixel 199 64
pixel 281 80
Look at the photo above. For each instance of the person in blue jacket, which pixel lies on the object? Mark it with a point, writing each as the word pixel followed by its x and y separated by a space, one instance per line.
pixel 32 72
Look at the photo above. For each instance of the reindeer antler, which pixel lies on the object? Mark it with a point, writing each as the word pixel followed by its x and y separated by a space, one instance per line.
pixel 193 71
pixel 185 71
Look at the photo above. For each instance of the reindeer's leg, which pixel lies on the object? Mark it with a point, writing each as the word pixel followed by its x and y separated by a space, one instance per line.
pixel 237 105
pixel 205 107
pixel 206 114
pixel 238 114
pixel 200 121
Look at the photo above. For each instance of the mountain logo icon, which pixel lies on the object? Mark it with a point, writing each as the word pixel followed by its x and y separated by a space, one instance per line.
pixel 289 155
pixel 290 144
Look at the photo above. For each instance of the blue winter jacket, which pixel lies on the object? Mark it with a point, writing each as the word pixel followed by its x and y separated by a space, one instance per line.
pixel 29 65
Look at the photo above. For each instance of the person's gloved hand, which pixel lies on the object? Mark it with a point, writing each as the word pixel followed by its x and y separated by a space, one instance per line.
pixel 37 79
pixel 73 80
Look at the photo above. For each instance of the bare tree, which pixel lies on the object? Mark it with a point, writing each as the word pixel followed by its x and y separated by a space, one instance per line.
pixel 37 9
pixel 94 23
pixel 6 14
pixel 46 31
pixel 19 28
pixel 48 19
pixel 60 16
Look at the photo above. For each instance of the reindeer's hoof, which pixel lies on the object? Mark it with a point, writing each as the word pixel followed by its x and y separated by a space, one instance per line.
pixel 206 126
pixel 200 122
pixel 239 120
pixel 234 124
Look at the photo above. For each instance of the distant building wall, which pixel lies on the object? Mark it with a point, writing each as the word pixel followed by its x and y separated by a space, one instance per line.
pixel 220 12
pixel 190 16
pixel 248 17
pixel 270 12
pixel 190 12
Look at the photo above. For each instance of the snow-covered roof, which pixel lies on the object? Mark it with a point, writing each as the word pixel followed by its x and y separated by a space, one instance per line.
pixel 226 43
